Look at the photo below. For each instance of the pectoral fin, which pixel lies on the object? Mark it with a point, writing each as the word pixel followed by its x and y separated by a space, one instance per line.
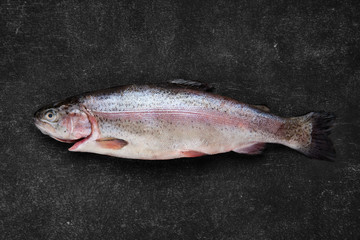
pixel 111 143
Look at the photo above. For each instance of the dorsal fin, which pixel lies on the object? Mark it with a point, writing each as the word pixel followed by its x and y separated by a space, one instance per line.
pixel 191 84
pixel 261 108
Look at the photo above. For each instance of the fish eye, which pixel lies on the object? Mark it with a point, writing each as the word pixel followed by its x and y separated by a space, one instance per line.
pixel 50 115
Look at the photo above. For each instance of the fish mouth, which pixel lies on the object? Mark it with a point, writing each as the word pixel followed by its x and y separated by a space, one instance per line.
pixel 40 125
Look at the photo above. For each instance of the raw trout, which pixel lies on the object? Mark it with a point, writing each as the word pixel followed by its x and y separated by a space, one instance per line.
pixel 175 120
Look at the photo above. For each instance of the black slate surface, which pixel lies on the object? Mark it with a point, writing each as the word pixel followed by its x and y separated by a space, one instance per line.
pixel 295 56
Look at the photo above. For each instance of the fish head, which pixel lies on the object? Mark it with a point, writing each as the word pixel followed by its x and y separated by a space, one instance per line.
pixel 63 122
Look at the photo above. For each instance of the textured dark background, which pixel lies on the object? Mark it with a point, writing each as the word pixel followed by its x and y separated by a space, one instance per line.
pixel 295 57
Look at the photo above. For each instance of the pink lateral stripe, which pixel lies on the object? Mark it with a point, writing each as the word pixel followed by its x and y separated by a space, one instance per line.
pixel 178 114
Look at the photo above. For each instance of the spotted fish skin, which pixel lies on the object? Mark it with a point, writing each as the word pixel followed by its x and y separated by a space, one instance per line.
pixel 166 122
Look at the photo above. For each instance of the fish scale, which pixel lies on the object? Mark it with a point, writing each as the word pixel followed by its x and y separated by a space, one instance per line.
pixel 178 120
pixel 181 122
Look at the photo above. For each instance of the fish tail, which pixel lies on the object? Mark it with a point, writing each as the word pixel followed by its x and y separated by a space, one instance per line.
pixel 309 134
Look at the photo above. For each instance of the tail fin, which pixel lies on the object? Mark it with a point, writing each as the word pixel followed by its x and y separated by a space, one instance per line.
pixel 310 135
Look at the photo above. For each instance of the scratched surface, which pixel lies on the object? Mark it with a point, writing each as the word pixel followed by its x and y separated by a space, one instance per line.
pixel 295 58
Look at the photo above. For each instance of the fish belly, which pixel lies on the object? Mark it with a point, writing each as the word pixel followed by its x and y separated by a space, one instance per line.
pixel 165 123
pixel 173 134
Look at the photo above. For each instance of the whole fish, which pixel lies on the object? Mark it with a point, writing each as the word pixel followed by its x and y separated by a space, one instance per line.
pixel 178 119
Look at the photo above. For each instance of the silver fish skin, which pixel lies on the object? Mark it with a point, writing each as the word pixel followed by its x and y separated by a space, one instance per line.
pixel 157 122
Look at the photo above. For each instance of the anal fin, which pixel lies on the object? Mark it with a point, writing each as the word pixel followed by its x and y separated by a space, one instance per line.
pixel 252 148
pixel 111 143
pixel 191 153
